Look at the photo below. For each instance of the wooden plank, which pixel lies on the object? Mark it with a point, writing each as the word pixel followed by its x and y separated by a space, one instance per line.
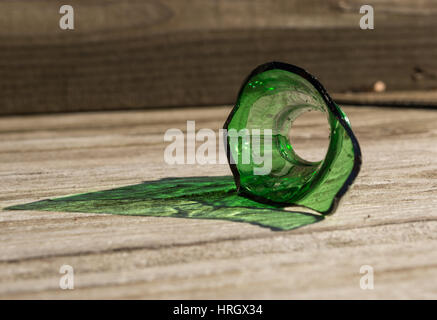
pixel 423 99
pixel 387 220
pixel 133 54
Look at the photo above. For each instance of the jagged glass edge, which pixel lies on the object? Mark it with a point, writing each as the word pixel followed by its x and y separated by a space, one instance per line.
pixel 335 110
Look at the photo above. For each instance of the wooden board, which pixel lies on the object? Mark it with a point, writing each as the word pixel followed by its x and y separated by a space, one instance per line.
pixel 387 220
pixel 417 99
pixel 132 54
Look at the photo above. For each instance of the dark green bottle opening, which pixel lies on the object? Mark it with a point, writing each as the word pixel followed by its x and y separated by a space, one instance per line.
pixel 271 98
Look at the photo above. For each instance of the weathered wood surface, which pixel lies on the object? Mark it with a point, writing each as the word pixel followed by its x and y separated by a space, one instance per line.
pixel 423 99
pixel 132 54
pixel 388 219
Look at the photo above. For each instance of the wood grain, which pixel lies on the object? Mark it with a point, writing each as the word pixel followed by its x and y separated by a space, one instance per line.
pixel 418 99
pixel 387 220
pixel 132 54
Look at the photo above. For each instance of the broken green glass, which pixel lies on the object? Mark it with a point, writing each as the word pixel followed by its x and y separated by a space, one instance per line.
pixel 271 98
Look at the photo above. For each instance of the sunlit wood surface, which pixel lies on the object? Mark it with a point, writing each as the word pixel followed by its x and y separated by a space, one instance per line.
pixel 388 220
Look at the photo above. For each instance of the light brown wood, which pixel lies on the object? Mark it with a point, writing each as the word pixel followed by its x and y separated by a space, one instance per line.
pixel 131 54
pixel 388 219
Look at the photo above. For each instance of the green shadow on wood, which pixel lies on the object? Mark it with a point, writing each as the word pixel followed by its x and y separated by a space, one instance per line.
pixel 190 197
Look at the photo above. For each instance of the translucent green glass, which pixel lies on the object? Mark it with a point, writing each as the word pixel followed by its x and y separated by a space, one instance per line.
pixel 272 97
